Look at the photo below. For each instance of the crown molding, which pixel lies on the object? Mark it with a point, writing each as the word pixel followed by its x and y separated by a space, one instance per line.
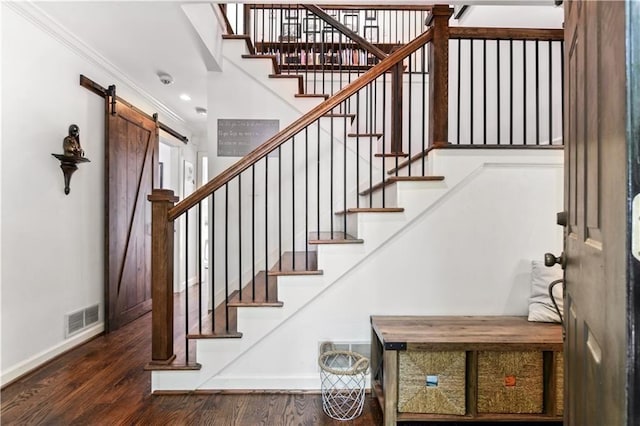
pixel 59 32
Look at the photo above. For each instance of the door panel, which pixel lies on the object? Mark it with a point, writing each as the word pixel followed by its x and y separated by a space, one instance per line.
pixel 596 167
pixel 131 165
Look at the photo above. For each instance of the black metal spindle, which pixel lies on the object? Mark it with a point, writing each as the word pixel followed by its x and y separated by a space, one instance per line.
pixel 484 91
pixel 423 112
pixel 357 151
pixel 537 95
pixel 371 95
pixel 318 181
pixel 293 202
pixel 344 178
pixel 498 100
pixel 471 78
pixel 331 179
pixel 253 231
pixel 280 207
pixel 384 137
pixel 306 197
pixel 226 256
pixel 524 92
pixel 409 115
pixel 212 262
pixel 240 236
pixel 511 92
pixel 186 287
pixel 199 265
pixel 266 224
pixel 458 108
pixel 550 44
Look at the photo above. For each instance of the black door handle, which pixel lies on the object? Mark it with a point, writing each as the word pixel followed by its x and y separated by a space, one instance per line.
pixel 550 260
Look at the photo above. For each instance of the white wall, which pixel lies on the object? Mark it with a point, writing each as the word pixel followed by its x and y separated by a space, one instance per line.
pixel 52 243
pixel 511 16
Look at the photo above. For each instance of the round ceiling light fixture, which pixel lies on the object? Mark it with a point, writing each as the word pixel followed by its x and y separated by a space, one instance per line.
pixel 201 111
pixel 185 97
pixel 165 78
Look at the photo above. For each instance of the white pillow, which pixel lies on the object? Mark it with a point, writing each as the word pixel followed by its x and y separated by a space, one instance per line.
pixel 540 305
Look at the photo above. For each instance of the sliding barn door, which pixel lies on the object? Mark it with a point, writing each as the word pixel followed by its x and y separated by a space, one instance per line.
pixel 131 167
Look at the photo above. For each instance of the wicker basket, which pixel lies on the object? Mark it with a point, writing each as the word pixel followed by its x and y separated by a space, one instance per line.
pixel 342 377
pixel 432 382
pixel 510 382
pixel 559 361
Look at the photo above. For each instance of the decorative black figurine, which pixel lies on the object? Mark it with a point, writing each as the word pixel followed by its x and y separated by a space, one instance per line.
pixel 73 154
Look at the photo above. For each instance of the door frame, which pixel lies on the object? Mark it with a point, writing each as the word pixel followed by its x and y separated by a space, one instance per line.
pixel 632 29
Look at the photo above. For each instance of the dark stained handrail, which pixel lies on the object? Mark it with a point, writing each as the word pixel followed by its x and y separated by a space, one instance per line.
pixel 359 40
pixel 223 9
pixel 294 128
pixel 480 33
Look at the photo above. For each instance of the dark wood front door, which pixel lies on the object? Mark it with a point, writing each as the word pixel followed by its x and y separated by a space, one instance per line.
pixel 596 190
pixel 131 165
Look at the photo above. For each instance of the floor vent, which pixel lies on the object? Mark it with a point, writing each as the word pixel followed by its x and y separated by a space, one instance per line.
pixel 77 321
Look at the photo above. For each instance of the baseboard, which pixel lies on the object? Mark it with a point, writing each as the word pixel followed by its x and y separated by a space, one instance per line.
pixel 192 281
pixel 28 365
pixel 239 384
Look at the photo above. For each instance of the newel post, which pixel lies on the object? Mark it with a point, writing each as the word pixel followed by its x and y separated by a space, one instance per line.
pixel 439 76
pixel 162 276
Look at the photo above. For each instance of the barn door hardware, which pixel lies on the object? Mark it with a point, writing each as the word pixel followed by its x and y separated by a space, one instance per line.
pixel 112 94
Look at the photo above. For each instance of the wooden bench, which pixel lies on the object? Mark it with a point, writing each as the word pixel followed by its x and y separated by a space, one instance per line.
pixel 406 350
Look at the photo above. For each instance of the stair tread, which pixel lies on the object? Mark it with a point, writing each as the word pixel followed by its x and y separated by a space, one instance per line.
pixel 391 154
pixel 364 135
pixel 265 294
pixel 228 335
pixel 312 95
pixel 372 210
pixel 413 158
pixel 246 38
pixel 336 237
pixel 174 366
pixel 273 58
pixel 351 116
pixel 291 263
pixel 296 76
pixel 251 304
pixel 394 179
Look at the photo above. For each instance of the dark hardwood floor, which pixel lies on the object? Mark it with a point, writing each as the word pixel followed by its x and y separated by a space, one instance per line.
pixel 103 383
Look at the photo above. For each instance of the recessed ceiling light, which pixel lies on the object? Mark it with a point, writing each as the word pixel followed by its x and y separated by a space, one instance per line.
pixel 201 111
pixel 185 97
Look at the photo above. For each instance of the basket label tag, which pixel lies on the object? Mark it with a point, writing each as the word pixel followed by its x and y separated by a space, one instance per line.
pixel 432 381
pixel 509 381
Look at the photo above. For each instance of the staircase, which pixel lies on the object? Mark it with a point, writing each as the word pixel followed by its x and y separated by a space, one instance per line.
pixel 298 236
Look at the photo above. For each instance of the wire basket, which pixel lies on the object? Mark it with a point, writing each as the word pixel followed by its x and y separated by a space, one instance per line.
pixel 343 377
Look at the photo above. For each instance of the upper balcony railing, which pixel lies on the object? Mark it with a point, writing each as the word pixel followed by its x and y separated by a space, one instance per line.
pixel 327 44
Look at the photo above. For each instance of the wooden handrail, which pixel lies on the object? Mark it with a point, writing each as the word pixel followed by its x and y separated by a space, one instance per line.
pixel 482 33
pixel 297 126
pixel 223 9
pixel 425 7
pixel 359 40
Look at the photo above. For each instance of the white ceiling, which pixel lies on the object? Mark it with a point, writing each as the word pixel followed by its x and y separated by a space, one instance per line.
pixel 141 39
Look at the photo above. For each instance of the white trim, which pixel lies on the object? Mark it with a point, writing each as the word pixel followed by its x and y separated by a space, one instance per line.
pixel 49 25
pixel 48 354
pixel 296 383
